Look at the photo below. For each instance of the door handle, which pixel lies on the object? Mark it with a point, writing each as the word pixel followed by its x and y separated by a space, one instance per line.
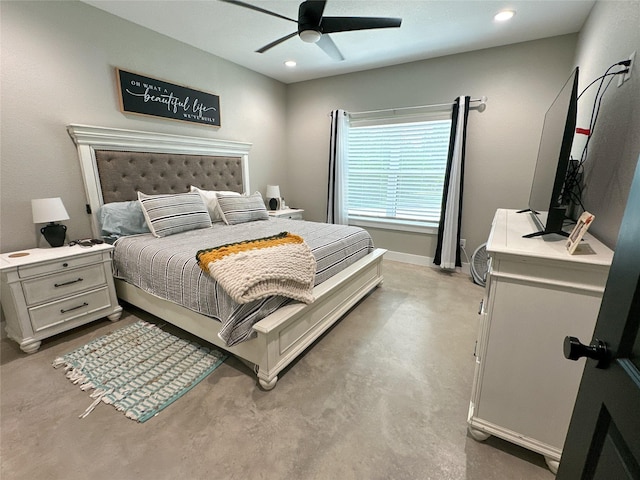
pixel 597 350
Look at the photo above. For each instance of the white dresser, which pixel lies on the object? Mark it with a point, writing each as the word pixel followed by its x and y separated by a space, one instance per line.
pixel 536 294
pixel 46 291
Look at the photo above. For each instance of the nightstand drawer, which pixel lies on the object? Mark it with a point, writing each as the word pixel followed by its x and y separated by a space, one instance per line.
pixel 290 213
pixel 55 313
pixel 58 265
pixel 63 284
pixel 293 216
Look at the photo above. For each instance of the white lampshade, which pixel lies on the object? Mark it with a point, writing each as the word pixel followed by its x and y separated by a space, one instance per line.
pixel 46 210
pixel 273 191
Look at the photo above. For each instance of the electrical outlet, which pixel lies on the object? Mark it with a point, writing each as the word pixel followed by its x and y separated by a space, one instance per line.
pixel 627 76
pixel 463 242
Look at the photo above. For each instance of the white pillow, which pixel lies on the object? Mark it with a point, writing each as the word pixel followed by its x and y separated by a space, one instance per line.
pixel 174 213
pixel 211 201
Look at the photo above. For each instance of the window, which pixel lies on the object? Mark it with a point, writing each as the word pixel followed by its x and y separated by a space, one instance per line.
pixel 396 170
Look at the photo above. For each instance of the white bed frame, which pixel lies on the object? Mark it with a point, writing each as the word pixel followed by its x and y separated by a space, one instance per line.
pixel 283 335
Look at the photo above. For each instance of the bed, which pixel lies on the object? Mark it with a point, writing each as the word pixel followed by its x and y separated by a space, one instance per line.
pixel 116 163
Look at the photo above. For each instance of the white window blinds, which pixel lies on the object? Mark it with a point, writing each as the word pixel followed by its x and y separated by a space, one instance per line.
pixel 396 170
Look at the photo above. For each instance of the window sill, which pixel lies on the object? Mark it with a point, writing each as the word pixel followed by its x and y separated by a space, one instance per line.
pixel 396 225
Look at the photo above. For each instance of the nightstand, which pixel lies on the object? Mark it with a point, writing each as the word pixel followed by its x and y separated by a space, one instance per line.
pixel 292 213
pixel 46 291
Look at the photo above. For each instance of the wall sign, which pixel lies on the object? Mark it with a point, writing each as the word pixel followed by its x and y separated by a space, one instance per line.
pixel 148 96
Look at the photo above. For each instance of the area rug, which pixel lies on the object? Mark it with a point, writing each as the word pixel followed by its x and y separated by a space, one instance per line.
pixel 139 369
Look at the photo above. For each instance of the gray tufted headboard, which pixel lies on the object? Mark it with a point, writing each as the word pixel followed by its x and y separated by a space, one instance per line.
pixel 123 174
pixel 117 163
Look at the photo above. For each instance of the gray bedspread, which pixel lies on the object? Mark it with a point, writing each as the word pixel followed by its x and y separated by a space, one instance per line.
pixel 167 267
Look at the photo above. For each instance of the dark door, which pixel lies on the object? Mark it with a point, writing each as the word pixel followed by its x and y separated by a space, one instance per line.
pixel 603 441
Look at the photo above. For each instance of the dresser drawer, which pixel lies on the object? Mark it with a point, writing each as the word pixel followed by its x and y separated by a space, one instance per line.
pixel 43 289
pixel 58 265
pixel 55 313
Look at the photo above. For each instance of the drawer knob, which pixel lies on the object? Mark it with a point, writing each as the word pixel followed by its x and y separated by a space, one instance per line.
pixel 65 264
pixel 67 283
pixel 84 304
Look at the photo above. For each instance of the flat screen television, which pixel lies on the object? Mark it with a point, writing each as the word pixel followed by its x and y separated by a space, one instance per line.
pixel 548 203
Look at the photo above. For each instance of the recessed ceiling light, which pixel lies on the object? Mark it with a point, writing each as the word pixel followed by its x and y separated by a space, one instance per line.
pixel 504 15
pixel 290 63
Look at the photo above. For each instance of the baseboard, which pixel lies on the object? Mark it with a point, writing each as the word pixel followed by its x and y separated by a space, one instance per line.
pixel 409 258
pixel 421 260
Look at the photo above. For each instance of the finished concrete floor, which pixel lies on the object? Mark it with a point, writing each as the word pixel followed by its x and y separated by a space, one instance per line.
pixel 382 395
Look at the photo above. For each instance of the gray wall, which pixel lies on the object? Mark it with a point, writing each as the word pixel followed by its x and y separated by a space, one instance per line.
pixel 610 34
pixel 520 81
pixel 58 67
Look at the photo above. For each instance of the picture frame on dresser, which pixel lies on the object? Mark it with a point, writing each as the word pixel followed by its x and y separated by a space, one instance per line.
pixel 581 227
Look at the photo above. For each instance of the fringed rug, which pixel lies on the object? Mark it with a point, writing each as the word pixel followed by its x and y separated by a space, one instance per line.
pixel 139 369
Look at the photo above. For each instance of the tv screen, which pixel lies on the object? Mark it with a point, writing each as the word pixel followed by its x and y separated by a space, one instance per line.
pixel 547 204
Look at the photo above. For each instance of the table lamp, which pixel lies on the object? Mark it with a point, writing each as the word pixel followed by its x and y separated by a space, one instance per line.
pixel 273 197
pixel 50 210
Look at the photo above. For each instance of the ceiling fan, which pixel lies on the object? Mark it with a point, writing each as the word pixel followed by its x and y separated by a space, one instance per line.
pixel 314 28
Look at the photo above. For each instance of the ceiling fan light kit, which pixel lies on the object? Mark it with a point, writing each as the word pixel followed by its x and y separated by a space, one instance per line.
pixel 314 28
pixel 309 36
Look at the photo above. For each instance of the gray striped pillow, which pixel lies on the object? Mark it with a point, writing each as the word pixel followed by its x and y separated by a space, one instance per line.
pixel 174 213
pixel 236 209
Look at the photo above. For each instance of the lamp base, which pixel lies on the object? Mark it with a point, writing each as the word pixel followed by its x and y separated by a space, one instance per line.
pixel 275 204
pixel 54 234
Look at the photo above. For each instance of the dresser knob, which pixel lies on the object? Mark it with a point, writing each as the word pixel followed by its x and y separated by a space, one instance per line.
pixel 65 264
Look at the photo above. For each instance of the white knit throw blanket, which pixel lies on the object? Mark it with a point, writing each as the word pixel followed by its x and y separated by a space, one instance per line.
pixel 278 265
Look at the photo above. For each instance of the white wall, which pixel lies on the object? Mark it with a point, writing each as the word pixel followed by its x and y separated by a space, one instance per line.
pixel 520 81
pixel 58 67
pixel 610 34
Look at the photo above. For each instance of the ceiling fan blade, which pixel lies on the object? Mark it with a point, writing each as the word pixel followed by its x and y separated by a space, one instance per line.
pixel 277 42
pixel 330 48
pixel 310 13
pixel 258 9
pixel 345 24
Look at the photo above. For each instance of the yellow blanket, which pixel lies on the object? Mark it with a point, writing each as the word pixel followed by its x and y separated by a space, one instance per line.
pixel 281 264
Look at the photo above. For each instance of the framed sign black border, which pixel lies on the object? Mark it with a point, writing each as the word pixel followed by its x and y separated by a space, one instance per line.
pixel 143 95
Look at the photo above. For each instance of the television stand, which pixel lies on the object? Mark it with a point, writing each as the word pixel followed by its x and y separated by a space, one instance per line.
pixel 538 234
pixel 527 210
pixel 556 223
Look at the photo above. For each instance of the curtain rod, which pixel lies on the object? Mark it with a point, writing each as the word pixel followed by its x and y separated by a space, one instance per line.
pixel 482 100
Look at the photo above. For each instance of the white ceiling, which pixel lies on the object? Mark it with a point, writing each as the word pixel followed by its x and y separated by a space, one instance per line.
pixel 429 29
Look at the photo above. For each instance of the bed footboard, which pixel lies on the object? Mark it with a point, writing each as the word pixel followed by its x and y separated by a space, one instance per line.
pixel 286 333
pixel 291 329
